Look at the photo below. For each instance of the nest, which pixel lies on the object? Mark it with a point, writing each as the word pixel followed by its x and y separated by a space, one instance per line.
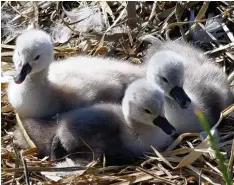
pixel 115 29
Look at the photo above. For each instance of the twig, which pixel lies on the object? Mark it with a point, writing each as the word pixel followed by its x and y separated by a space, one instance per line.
pixel 36 14
pixel 16 10
pixel 17 161
pixel 25 169
pixel 106 9
pixel 43 5
pixel 220 49
pixel 26 136
pixel 178 12
pixel 131 11
pixel 231 77
pixel 63 169
pixel 89 148
pixel 121 15
pixel 154 176
pixel 101 42
pixel 7 54
pixel 7 46
pixel 231 161
pixel 199 16
pixel 45 169
pixel 202 175
pixel 153 13
pixel 229 34
pixel 167 27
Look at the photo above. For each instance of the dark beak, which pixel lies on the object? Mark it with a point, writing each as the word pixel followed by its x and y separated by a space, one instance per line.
pixel 181 97
pixel 23 73
pixel 162 123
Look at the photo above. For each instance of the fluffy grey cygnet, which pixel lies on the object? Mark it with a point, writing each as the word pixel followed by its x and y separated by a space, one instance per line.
pixel 189 82
pixel 121 133
pixel 43 87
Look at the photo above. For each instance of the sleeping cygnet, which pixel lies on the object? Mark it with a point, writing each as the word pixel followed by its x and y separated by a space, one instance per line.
pixel 43 88
pixel 122 134
pixel 189 85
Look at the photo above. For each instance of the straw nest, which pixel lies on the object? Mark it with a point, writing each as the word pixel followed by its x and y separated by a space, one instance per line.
pixel 114 29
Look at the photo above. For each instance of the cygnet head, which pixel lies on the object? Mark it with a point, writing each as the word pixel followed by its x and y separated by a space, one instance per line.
pixel 166 69
pixel 143 103
pixel 33 53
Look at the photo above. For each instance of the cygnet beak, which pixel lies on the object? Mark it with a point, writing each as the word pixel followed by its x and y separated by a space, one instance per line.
pixel 19 78
pixel 162 123
pixel 181 97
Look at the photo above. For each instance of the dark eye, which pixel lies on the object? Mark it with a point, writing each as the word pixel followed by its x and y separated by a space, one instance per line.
pixel 164 79
pixel 147 111
pixel 37 57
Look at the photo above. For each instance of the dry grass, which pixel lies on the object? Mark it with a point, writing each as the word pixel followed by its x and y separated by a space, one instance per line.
pixel 117 30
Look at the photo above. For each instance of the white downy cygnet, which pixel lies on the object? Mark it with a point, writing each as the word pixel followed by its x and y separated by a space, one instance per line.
pixel 122 134
pixel 189 82
pixel 43 88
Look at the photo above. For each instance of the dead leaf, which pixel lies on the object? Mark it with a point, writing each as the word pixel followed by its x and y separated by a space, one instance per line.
pixel 30 151
pixel 7 108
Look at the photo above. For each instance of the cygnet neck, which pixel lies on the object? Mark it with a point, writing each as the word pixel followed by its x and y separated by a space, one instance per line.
pixel 138 127
pixel 39 76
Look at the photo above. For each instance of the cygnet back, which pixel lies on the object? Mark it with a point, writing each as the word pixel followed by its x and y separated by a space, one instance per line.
pixel 179 46
pixel 91 80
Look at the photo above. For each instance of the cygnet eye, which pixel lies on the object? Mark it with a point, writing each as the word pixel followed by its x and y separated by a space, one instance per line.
pixel 147 111
pixel 37 57
pixel 164 79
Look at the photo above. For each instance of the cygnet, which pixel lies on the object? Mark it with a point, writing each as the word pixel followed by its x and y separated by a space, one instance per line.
pixel 43 88
pixel 121 133
pixel 188 84
pixel 118 133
